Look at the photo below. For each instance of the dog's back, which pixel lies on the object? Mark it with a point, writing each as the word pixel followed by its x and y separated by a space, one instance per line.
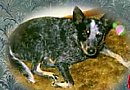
pixel 46 37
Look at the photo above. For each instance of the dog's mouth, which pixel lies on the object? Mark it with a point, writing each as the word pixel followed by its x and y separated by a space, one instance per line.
pixel 89 51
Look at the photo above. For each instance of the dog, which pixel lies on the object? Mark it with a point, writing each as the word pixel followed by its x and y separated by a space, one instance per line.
pixel 58 43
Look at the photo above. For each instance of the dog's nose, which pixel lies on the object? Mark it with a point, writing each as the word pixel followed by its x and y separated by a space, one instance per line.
pixel 91 50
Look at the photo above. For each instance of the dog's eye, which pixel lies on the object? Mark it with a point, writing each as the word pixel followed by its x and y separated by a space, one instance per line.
pixel 98 34
pixel 87 31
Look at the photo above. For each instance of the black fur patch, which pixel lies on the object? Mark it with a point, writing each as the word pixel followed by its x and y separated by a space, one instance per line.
pixel 44 37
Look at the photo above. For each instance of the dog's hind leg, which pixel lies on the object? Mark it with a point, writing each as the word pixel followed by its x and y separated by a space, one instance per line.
pixel 64 70
pixel 108 52
pixel 37 70
pixel 21 66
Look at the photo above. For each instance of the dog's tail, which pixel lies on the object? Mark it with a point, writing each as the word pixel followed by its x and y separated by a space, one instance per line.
pixel 20 65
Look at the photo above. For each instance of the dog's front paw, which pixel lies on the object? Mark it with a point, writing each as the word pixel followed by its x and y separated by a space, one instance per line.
pixel 62 85
pixel 54 77
pixel 30 77
pixel 31 80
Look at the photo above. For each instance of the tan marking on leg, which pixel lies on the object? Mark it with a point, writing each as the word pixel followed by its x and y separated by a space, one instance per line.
pixel 84 50
pixel 52 61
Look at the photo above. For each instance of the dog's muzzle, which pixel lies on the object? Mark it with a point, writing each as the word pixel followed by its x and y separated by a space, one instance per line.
pixel 91 51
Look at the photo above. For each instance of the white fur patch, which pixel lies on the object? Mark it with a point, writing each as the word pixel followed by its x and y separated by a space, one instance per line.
pixel 63 85
pixel 30 75
pixel 93 29
pixel 43 73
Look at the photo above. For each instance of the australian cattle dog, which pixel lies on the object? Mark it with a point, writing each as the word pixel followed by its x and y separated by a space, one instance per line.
pixel 59 42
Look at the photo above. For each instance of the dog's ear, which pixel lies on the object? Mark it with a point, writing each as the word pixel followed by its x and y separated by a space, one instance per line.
pixel 106 22
pixel 78 15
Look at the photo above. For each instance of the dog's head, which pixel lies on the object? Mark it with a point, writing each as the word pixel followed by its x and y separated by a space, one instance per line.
pixel 91 32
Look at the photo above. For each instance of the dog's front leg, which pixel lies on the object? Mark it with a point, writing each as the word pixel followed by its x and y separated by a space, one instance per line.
pixel 108 52
pixel 64 70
